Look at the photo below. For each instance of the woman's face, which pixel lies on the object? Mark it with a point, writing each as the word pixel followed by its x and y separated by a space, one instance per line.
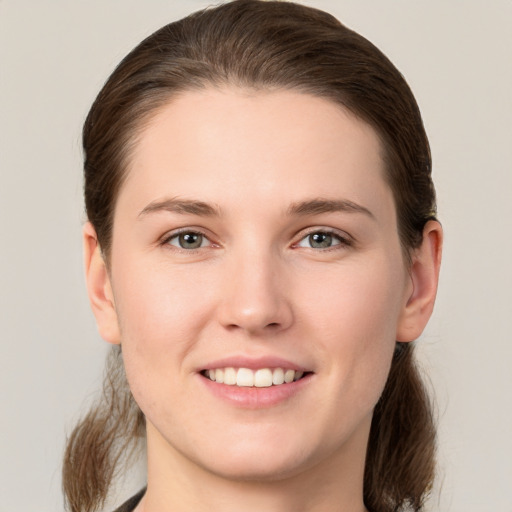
pixel 254 237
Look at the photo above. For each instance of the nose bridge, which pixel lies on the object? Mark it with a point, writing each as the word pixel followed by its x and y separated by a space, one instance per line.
pixel 255 298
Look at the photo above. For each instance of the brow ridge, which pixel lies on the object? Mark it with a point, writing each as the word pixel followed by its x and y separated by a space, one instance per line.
pixel 318 206
pixel 182 206
pixel 314 206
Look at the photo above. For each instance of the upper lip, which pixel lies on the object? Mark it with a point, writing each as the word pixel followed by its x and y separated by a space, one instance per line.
pixel 254 363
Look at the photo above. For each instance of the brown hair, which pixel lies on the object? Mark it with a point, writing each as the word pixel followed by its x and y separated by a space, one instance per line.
pixel 263 45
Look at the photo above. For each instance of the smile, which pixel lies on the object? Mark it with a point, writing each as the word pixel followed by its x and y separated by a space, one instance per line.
pixel 259 378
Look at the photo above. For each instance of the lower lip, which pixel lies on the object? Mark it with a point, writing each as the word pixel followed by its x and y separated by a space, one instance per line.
pixel 256 398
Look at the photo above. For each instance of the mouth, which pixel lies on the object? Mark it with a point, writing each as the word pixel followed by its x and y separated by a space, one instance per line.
pixel 254 378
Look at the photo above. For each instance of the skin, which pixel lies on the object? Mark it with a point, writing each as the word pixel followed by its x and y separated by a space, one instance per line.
pixel 257 287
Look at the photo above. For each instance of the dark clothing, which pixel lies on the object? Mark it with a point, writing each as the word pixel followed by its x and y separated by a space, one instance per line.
pixel 129 506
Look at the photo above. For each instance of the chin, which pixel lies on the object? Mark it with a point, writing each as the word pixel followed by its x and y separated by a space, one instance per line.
pixel 257 468
pixel 264 458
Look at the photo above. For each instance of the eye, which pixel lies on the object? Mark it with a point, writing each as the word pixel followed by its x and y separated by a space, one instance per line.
pixel 322 240
pixel 188 240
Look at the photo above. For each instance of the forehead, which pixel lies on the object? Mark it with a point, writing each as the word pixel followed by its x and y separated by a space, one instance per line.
pixel 222 142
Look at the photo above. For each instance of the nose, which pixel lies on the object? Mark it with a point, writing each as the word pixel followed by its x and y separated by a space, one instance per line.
pixel 255 298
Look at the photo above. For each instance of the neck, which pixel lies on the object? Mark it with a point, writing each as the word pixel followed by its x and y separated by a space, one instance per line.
pixel 177 484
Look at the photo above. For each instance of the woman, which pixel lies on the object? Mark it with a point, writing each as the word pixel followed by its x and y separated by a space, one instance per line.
pixel 262 243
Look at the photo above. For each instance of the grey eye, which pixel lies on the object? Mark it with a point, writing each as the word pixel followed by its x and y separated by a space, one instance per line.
pixel 321 240
pixel 188 240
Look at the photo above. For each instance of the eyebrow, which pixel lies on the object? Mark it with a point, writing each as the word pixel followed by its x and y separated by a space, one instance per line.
pixel 319 205
pixel 315 206
pixel 183 206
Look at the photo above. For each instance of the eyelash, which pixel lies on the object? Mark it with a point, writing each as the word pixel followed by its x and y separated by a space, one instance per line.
pixel 166 241
pixel 343 241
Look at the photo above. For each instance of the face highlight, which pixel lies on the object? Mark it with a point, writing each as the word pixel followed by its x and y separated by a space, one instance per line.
pixel 258 282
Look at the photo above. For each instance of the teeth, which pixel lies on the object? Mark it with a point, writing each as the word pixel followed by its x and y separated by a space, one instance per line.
pixel 278 377
pixel 219 375
pixel 230 376
pixel 263 378
pixel 245 377
pixel 289 376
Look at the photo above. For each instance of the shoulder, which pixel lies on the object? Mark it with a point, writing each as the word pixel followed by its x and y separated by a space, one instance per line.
pixel 129 506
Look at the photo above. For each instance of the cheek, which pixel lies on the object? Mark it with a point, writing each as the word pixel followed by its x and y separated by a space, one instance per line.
pixel 354 316
pixel 360 299
pixel 157 304
pixel 161 316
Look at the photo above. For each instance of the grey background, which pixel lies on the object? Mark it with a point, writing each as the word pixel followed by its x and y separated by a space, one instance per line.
pixel 55 55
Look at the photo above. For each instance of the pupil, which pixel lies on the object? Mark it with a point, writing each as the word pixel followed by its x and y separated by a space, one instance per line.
pixel 321 240
pixel 190 240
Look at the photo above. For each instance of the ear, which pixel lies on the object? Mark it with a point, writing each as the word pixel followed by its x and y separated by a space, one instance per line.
pixel 99 287
pixel 424 275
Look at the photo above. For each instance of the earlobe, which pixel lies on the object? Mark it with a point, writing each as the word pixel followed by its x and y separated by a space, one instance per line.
pixel 424 275
pixel 99 287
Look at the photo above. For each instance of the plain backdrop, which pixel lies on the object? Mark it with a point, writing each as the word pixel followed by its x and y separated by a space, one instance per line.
pixel 55 55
